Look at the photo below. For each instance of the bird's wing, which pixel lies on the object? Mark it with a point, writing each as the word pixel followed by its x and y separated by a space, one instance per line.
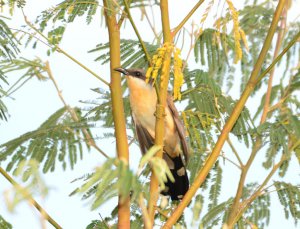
pixel 179 127
pixel 144 138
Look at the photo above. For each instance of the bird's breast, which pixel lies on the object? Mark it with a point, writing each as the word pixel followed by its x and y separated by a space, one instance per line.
pixel 143 101
pixel 142 98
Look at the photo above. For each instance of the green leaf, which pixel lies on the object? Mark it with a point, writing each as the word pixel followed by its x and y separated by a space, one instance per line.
pixel 208 220
pixel 4 224
pixel 215 189
pixel 33 184
pixel 8 43
pixel 289 197
pixel 132 54
pixel 109 180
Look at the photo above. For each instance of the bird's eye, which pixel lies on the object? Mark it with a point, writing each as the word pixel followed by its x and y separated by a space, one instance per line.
pixel 138 74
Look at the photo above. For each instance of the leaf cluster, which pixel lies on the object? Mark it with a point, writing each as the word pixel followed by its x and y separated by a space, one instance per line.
pixel 132 54
pixel 29 173
pixel 58 138
pixel 4 224
pixel 289 197
pixel 8 43
pixel 3 109
pixel 112 178
pixel 208 108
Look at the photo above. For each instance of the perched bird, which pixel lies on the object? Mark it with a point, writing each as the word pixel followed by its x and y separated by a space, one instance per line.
pixel 143 99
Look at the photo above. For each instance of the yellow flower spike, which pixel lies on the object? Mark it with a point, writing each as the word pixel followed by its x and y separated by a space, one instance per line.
pixel 185 122
pixel 244 39
pixel 178 75
pixel 237 35
pixel 70 9
pixel 148 74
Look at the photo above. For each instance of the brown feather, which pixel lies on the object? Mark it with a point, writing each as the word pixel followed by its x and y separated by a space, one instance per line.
pixel 179 127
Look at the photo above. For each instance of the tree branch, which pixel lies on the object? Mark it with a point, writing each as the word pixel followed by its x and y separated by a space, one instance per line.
pixel 246 203
pixel 270 81
pixel 187 17
pixel 88 138
pixel 160 108
pixel 234 215
pixel 235 152
pixel 118 110
pixel 230 122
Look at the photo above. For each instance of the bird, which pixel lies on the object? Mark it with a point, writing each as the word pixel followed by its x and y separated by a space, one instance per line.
pixel 143 101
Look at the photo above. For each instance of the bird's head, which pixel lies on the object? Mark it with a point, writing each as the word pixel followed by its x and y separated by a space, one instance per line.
pixel 132 72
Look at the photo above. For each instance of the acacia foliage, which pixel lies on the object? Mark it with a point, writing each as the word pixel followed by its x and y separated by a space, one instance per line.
pixel 205 104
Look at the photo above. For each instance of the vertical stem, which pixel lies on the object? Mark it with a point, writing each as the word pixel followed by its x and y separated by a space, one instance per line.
pixel 270 81
pixel 160 108
pixel 230 123
pixel 118 109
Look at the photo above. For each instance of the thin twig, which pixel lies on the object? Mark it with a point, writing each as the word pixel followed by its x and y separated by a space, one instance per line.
pixel 229 160
pixel 104 221
pixel 32 35
pixel 270 80
pixel 31 200
pixel 246 203
pixel 136 31
pixel 88 139
pixel 187 17
pixel 146 217
pixel 56 47
pixel 278 58
pixel 150 24
pixel 235 152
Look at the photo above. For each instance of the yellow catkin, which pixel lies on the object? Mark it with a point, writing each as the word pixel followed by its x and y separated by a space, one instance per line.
pixel 185 122
pixel 157 62
pixel 70 9
pixel 236 31
pixel 244 39
pixel 218 29
pixel 178 75
pixel 205 14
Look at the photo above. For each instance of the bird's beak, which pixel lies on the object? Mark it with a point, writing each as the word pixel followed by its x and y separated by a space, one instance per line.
pixel 122 70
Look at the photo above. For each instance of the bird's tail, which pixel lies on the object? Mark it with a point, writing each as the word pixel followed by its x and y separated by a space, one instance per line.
pixel 181 184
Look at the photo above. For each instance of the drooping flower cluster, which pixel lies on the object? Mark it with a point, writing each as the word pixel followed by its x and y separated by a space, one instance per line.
pixel 158 64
